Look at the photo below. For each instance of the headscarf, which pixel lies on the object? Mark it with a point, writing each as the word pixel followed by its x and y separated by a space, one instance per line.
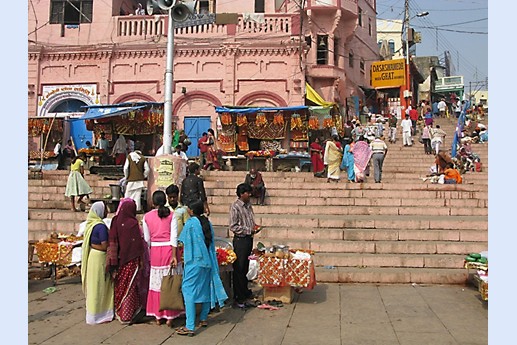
pixel 94 218
pixel 121 201
pixel 362 154
pixel 120 144
pixel 125 242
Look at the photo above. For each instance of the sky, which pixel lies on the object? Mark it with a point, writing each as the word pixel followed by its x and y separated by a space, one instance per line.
pixel 457 26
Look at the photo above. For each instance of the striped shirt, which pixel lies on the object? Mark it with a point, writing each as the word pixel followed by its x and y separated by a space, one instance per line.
pixel 242 218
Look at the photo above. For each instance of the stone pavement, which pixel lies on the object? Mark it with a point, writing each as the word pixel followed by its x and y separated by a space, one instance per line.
pixel 346 314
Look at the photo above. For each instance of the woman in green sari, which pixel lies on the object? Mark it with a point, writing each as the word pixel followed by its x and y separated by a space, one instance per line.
pixel 96 282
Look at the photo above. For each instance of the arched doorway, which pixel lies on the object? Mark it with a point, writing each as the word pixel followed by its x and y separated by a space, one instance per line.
pixel 76 127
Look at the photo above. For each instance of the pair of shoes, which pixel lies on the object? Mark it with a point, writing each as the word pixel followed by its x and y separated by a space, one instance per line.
pixel 184 331
pixel 203 323
pixel 275 303
pixel 267 306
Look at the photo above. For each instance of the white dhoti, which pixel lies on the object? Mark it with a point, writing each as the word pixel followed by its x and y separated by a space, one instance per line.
pixel 134 191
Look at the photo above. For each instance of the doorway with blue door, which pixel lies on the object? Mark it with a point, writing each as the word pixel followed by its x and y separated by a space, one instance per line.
pixel 80 135
pixel 194 128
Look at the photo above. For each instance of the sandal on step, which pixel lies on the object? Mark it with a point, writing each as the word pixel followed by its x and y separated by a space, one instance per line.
pixel 203 323
pixel 184 331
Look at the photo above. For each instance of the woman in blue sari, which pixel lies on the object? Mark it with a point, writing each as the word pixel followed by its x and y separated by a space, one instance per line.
pixel 201 281
pixel 348 163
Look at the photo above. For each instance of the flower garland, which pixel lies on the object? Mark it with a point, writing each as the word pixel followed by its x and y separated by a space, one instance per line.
pixel 226 119
pixel 328 122
pixel 313 122
pixel 242 120
pixel 261 120
pixel 278 119
pixel 296 121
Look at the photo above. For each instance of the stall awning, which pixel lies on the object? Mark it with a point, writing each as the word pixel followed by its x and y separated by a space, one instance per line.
pixel 314 97
pixel 102 111
pixel 250 110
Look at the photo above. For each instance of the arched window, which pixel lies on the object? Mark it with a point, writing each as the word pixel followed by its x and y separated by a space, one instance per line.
pixel 391 44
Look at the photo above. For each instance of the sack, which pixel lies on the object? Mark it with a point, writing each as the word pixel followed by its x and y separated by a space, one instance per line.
pixel 171 297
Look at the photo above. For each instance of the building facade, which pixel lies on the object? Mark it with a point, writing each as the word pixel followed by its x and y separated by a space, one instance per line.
pixel 260 53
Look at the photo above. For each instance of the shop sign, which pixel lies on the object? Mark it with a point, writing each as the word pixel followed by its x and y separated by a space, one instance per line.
pixel 54 94
pixel 389 73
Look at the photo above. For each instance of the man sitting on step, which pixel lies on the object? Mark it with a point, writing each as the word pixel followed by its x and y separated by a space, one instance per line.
pixel 254 179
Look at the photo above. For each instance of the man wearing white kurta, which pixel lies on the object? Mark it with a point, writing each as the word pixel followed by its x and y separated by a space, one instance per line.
pixel 406 125
pixel 136 171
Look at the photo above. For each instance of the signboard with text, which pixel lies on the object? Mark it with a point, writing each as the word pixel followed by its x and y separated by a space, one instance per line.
pixel 389 73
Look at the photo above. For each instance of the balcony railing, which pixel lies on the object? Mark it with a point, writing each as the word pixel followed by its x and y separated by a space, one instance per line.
pixel 348 5
pixel 131 26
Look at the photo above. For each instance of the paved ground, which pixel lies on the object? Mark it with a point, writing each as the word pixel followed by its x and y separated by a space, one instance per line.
pixel 330 314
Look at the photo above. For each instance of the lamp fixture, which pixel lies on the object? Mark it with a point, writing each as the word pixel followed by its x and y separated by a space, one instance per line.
pixel 183 90
pixel 422 14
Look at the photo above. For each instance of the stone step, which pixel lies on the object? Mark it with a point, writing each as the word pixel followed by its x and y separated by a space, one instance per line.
pixel 360 234
pixel 390 260
pixel 429 222
pixel 361 210
pixel 379 247
pixel 389 275
pixel 359 201
pixel 438 192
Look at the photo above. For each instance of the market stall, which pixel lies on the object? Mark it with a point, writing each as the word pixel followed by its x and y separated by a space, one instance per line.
pixel 43 135
pixel 273 138
pixel 140 121
pixel 57 252
pixel 282 271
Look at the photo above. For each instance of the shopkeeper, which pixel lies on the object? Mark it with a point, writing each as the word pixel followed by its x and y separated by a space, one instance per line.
pixel 242 224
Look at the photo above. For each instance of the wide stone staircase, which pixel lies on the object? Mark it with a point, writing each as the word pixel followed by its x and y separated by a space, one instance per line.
pixel 402 230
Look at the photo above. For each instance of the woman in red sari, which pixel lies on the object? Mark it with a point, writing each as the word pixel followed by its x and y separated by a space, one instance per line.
pixel 125 261
pixel 317 158
pixel 211 153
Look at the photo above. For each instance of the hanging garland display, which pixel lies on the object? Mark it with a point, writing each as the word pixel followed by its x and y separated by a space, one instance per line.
pixel 296 121
pixel 314 124
pixel 260 120
pixel 278 119
pixel 42 126
pixel 242 120
pixel 226 119
pixel 328 122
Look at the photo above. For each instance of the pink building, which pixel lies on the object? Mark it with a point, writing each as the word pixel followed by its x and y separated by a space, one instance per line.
pixel 255 53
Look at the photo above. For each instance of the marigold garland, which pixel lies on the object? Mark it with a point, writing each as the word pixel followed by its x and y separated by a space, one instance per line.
pixel 328 122
pixel 242 120
pixel 261 120
pixel 278 119
pixel 296 122
pixel 226 119
pixel 314 123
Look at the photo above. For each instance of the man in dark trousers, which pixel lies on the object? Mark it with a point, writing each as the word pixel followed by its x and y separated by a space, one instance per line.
pixel 193 188
pixel 254 179
pixel 242 224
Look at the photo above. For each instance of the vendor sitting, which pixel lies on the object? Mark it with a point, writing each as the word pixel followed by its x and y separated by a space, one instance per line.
pixel 254 179
pixel 452 175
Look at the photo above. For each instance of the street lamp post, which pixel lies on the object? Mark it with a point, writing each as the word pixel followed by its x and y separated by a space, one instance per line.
pixel 167 104
pixel 408 76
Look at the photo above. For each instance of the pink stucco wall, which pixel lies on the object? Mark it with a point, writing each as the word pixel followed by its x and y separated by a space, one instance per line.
pixel 246 63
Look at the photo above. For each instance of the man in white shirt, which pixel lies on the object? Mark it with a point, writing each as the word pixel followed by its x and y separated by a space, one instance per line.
pixel 442 106
pixel 379 151
pixel 406 125
pixel 179 152
pixel 457 108
pixel 136 170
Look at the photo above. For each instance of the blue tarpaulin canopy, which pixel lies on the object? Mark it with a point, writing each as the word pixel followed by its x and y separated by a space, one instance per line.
pixel 101 111
pixel 249 110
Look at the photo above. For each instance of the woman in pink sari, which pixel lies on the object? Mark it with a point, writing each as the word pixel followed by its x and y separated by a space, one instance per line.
pixel 362 154
pixel 161 234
